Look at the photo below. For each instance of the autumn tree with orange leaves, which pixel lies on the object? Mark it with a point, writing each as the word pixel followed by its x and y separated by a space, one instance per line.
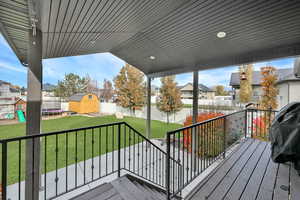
pixel 269 90
pixel 130 88
pixel 169 99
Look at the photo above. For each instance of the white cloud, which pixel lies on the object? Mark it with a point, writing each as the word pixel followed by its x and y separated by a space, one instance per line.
pixel 13 68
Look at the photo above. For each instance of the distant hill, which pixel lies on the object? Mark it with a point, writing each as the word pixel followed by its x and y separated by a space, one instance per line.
pixel 48 87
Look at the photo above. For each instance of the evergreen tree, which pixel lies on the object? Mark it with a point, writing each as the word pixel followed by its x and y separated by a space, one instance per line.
pixel 71 84
pixel 169 99
pixel 246 83
pixel 130 88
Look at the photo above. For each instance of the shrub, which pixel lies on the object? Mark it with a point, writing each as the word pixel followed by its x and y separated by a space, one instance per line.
pixel 210 137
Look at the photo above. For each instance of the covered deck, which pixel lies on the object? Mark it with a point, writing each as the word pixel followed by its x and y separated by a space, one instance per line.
pixel 249 173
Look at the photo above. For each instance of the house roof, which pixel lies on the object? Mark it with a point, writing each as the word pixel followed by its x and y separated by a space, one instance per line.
pixel 282 74
pixel 181 35
pixel 201 87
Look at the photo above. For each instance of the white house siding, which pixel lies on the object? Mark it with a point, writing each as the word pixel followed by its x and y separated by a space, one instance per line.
pixel 283 94
pixel 288 92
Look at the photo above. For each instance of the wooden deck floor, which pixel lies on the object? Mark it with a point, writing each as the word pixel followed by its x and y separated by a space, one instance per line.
pixel 250 174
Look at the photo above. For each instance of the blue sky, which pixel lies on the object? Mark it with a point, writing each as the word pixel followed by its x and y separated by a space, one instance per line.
pixel 106 66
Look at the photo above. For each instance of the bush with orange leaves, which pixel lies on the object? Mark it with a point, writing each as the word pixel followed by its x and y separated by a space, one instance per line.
pixel 210 135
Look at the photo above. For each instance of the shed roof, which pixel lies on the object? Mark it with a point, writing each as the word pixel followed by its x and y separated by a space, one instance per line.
pixel 79 96
pixel 282 74
pixel 180 34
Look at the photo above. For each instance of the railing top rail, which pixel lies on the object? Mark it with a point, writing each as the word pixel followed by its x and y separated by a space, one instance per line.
pixel 216 118
pixel 255 109
pixel 203 122
pixel 57 132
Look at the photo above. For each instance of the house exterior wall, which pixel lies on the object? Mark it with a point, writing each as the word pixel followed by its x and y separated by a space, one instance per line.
pixel 256 94
pixel 88 104
pixel 288 92
pixel 187 93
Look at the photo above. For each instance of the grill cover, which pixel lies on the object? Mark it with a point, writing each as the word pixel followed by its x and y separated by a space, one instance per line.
pixel 285 135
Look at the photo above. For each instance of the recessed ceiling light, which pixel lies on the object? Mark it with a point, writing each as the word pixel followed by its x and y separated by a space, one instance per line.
pixel 221 34
pixel 152 57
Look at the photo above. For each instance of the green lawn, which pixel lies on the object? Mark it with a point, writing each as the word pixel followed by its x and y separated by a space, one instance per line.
pixel 95 141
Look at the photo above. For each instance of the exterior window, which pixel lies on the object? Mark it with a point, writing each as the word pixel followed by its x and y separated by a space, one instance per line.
pixel 90 96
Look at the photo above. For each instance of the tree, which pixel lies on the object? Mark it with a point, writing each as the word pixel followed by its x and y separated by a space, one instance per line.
pixel 92 86
pixel 220 91
pixel 71 85
pixel 130 88
pixel 269 90
pixel 107 92
pixel 169 99
pixel 246 83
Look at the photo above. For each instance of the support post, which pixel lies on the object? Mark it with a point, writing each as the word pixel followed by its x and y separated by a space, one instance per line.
pixel 195 116
pixel 195 96
pixel 148 120
pixel 33 115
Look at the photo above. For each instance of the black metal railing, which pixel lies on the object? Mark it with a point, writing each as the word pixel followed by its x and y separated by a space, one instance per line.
pixel 198 146
pixel 259 122
pixel 73 158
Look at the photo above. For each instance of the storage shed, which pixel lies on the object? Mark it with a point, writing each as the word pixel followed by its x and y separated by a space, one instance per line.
pixel 84 103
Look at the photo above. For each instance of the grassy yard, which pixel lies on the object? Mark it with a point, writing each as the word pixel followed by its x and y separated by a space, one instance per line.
pixel 95 141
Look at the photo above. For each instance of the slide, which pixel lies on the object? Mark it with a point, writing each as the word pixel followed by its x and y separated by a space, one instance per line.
pixel 21 116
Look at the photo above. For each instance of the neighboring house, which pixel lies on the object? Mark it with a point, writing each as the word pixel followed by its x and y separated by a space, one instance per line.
pixel 8 96
pixel 204 91
pixel 84 103
pixel 288 86
pixel 7 90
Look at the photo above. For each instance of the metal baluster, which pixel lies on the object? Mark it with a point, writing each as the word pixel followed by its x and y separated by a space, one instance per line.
pixel 56 164
pixel 76 156
pixel 178 158
pixel 4 170
pixel 129 143
pixel 45 168
pixel 106 148
pixel 100 150
pixel 119 150
pixel 19 171
pixel 168 167
pixel 146 159
pixel 134 151
pixel 113 147
pixel 173 181
pixel 142 157
pixel 138 138
pixel 125 147
pixel 84 156
pixel 183 163
pixel 67 144
pixel 93 142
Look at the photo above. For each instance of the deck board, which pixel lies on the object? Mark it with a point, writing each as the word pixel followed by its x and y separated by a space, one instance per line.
pixel 249 174
pixel 208 184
